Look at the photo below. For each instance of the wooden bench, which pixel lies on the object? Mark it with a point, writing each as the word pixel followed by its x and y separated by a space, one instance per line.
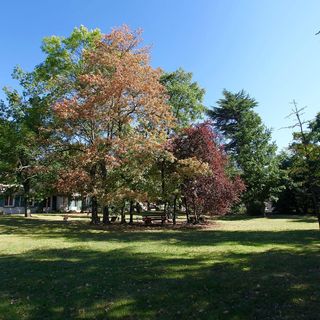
pixel 149 216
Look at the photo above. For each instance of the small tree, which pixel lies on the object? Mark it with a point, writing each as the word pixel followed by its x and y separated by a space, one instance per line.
pixel 212 191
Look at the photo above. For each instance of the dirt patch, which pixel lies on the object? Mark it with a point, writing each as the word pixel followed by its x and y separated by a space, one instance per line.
pixel 140 226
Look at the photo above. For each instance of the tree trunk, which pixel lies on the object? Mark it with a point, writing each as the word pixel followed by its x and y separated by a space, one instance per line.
pixel 105 219
pixel 165 208
pixel 162 178
pixel 138 208
pixel 174 210
pixel 27 213
pixel 187 209
pixel 94 202
pixel 131 212
pixel 123 214
pixel 82 203
pixel 94 211
pixel 26 190
pixel 195 211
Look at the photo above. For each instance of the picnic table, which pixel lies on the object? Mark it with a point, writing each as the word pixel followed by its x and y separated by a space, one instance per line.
pixel 149 216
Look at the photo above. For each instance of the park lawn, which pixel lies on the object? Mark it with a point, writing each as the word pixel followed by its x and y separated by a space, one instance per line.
pixel 239 268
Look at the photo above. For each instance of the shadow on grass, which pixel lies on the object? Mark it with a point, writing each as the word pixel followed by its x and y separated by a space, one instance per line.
pixel 78 283
pixel 244 217
pixel 305 220
pixel 119 284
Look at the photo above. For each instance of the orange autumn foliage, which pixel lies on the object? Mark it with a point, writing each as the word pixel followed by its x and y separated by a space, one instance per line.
pixel 118 87
pixel 116 105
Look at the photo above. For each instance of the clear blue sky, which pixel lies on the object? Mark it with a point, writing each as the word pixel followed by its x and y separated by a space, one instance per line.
pixel 267 47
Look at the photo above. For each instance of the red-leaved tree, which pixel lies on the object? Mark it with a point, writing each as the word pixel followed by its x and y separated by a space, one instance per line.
pixel 210 193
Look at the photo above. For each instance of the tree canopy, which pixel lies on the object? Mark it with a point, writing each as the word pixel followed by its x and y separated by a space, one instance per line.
pixel 185 97
pixel 95 118
pixel 107 125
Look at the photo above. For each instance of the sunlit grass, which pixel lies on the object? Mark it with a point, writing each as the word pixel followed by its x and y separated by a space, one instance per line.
pixel 240 268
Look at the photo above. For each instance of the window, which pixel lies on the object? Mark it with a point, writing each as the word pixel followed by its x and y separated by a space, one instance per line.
pixel 9 201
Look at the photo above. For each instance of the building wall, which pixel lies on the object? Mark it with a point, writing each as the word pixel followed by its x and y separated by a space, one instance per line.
pixel 17 206
pixel 62 203
pixel 16 210
pixel 69 204
pixel 75 205
pixel 51 204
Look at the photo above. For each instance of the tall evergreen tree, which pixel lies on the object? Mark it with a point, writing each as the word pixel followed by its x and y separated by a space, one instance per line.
pixel 248 142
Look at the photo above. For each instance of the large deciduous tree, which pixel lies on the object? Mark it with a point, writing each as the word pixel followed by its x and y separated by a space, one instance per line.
pixel 116 98
pixel 248 142
pixel 94 118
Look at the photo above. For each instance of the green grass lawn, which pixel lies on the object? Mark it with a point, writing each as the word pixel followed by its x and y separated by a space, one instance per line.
pixel 248 268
